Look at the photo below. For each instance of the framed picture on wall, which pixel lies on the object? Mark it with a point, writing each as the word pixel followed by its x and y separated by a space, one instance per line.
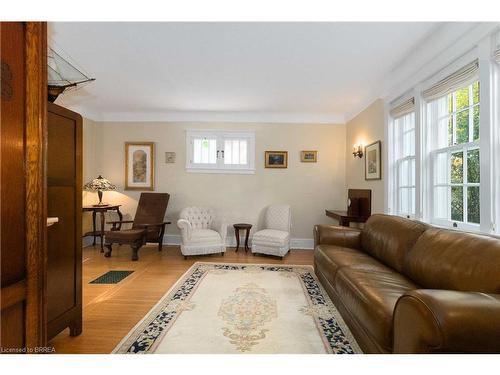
pixel 276 159
pixel 139 165
pixel 309 156
pixel 373 161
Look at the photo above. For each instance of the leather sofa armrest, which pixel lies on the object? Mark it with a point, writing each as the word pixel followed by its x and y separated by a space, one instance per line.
pixel 438 321
pixel 335 235
pixel 185 227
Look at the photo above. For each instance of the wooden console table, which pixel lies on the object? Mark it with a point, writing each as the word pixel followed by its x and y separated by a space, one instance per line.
pixel 102 210
pixel 359 208
pixel 344 218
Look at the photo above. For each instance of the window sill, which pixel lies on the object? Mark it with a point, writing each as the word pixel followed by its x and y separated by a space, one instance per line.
pixel 220 171
pixel 463 230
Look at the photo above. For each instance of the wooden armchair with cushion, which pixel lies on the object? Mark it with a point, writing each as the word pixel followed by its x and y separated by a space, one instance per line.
pixel 148 225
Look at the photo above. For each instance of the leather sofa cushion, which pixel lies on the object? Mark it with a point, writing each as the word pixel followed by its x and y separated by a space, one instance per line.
pixel 330 258
pixel 389 238
pixel 370 295
pixel 446 259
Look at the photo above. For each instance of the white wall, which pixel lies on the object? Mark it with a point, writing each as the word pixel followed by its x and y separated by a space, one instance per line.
pixel 367 127
pixel 310 188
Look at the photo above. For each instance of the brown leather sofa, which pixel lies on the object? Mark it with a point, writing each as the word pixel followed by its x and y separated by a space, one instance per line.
pixel 403 286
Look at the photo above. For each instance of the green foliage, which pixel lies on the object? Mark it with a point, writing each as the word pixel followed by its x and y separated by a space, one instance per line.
pixel 460 107
pixel 457 192
pixel 473 212
pixel 457 203
pixel 475 92
pixel 457 168
pixel 476 122
pixel 450 131
pixel 473 166
pixel 462 98
pixel 462 127
pixel 462 104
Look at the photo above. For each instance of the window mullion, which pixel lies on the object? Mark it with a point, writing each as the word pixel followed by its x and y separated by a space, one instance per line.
pixel 398 184
pixel 464 191
pixel 448 180
pixel 471 115
pixel 486 126
pixel 454 118
pixel 220 151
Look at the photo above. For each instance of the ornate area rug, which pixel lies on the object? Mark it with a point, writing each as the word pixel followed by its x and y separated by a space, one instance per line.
pixel 242 308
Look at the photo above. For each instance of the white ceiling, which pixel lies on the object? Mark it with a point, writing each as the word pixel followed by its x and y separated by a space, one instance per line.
pixel 266 71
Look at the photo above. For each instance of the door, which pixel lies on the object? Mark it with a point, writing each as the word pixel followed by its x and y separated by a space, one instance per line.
pixel 64 240
pixel 23 202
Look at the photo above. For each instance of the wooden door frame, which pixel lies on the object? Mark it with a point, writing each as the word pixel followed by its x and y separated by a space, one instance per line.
pixel 36 196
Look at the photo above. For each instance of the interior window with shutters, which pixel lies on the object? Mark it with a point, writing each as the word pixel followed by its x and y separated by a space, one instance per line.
pixel 220 151
pixel 455 126
pixel 404 127
pixel 205 150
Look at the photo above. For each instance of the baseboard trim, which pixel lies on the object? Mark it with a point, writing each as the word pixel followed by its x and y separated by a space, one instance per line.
pixel 302 243
pixel 87 241
pixel 175 239
pixel 295 243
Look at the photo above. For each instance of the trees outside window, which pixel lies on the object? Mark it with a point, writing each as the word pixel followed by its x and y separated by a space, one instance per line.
pixel 455 125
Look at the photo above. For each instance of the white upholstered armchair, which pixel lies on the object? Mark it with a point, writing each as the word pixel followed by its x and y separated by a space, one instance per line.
pixel 275 238
pixel 202 232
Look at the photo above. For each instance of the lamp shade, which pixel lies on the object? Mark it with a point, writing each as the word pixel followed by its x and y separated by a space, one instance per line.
pixel 99 184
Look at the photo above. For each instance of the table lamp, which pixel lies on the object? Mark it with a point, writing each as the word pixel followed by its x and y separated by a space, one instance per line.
pixel 99 184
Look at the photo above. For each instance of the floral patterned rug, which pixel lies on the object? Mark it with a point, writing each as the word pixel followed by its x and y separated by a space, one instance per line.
pixel 242 308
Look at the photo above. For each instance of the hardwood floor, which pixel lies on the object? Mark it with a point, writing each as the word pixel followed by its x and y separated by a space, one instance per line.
pixel 110 311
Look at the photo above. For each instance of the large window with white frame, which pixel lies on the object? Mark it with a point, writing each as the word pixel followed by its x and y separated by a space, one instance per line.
pixel 220 151
pixel 404 152
pixel 454 125
pixel 456 132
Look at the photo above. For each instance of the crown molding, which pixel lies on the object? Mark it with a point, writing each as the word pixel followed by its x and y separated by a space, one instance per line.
pixel 435 52
pixel 206 116
pixel 451 43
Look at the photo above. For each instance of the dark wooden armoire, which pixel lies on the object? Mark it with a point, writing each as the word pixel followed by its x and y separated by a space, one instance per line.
pixel 64 239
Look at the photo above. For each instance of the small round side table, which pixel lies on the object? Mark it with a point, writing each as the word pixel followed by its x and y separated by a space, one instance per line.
pixel 237 228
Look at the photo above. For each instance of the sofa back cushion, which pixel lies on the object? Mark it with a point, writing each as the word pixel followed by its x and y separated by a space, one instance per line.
pixel 389 238
pixel 446 259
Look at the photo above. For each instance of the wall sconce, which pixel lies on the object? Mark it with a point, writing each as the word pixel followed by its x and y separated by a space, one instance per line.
pixel 357 151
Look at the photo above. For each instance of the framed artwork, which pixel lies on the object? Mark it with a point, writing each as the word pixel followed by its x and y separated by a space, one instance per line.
pixel 276 159
pixel 139 165
pixel 169 157
pixel 373 161
pixel 309 156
